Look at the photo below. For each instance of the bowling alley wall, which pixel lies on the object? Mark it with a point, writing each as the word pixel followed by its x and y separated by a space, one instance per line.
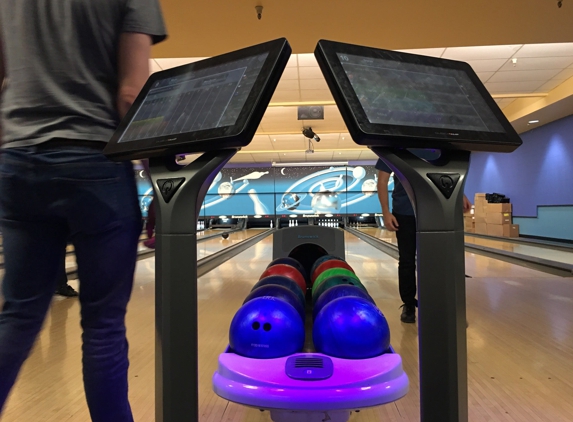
pixel 286 191
pixel 537 177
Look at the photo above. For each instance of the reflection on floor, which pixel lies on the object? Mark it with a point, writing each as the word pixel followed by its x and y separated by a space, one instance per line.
pixel 520 343
pixel 533 251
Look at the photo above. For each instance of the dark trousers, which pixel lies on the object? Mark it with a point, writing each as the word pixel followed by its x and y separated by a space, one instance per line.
pixel 47 198
pixel 406 237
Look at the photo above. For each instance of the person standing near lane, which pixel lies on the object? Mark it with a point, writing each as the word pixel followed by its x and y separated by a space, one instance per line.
pixel 72 69
pixel 402 220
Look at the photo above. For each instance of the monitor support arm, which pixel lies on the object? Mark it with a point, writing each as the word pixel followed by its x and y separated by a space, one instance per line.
pixel 179 193
pixel 436 191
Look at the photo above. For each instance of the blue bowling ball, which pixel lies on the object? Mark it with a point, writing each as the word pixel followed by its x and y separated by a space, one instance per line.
pixel 335 280
pixel 280 292
pixel 293 263
pixel 266 328
pixel 342 290
pixel 285 282
pixel 351 328
pixel 322 259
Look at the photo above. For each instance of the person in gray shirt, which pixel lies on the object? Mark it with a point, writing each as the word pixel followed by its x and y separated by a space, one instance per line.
pixel 70 71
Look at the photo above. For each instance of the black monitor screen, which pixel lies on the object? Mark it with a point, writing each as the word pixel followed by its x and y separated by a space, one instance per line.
pixel 410 94
pixel 197 100
pixel 389 98
pixel 207 105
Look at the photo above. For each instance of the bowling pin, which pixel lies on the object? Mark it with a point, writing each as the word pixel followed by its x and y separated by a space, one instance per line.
pixel 271 224
pixel 260 208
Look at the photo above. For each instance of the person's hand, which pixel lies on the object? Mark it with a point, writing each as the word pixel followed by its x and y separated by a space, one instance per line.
pixel 467 205
pixel 390 222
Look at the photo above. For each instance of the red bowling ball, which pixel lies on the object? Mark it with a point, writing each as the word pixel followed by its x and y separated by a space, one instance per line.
pixel 286 271
pixel 327 265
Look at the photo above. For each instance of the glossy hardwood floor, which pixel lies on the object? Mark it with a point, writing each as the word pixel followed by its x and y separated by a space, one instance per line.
pixel 520 343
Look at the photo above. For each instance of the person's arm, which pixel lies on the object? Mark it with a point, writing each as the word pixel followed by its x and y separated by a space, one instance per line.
pixel 467 204
pixel 390 221
pixel 2 79
pixel 133 68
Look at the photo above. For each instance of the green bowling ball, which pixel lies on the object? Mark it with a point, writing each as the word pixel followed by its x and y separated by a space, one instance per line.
pixel 336 281
pixel 329 273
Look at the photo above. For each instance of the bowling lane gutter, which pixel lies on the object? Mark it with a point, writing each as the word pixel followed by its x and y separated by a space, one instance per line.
pixel 210 262
pixel 559 246
pixel 551 267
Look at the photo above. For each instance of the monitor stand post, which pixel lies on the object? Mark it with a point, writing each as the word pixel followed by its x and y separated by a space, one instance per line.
pixel 179 193
pixel 436 191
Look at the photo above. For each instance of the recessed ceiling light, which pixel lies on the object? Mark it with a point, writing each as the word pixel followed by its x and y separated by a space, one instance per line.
pixel 531 122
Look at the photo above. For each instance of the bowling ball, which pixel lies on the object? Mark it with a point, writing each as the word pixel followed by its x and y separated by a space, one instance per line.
pixel 266 328
pixel 329 273
pixel 225 235
pixel 280 292
pixel 351 328
pixel 335 281
pixel 286 271
pixel 327 265
pixel 285 282
pixel 341 290
pixel 292 262
pixel 321 260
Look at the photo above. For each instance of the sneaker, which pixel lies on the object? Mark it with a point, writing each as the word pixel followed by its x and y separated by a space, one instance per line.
pixel 67 291
pixel 408 313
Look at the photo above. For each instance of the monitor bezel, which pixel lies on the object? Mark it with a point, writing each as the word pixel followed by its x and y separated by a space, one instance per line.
pixel 236 136
pixel 385 135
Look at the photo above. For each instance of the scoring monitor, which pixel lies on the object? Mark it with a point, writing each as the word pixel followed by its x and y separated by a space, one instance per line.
pixel 211 104
pixel 390 98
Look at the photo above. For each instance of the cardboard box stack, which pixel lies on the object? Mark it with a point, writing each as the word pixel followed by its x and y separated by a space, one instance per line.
pixel 494 219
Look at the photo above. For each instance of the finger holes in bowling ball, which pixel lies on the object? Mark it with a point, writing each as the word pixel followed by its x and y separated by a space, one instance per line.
pixel 267 326
pixel 256 325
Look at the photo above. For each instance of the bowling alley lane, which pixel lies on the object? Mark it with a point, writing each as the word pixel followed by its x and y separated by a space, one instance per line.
pixel 503 245
pixel 520 343
pixel 216 244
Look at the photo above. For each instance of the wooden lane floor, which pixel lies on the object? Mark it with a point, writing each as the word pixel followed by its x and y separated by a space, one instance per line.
pixel 527 250
pixel 520 343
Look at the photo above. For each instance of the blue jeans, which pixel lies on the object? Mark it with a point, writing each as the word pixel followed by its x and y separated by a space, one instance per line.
pixel 49 196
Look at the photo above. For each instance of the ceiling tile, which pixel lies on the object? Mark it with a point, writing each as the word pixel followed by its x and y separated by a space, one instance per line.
pixel 285 96
pixel 314 84
pixel 539 63
pixel 524 75
pixel 310 72
pixel 287 85
pixel 548 86
pixel 564 74
pixel 307 60
pixel 174 62
pixel 290 73
pixel 504 102
pixel 546 50
pixel 293 61
pixel 484 76
pixel 481 52
pixel 486 65
pixel 320 156
pixel 433 52
pixel 512 87
pixel 316 95
pixel 154 66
